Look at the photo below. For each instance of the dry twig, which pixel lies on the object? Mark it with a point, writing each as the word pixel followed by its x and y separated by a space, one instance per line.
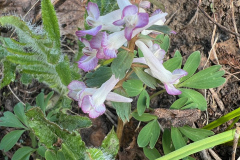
pixel 219 25
pixel 235 142
pixel 234 22
pixel 218 100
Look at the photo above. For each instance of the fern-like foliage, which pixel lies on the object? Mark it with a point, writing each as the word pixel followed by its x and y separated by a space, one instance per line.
pixel 36 53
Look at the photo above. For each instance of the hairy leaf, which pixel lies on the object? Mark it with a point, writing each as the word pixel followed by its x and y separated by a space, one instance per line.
pixel 8 73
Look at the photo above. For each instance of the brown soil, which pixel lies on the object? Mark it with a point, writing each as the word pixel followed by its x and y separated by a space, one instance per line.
pixel 194 32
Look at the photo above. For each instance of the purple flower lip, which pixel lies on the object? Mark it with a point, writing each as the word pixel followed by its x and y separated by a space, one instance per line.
pixel 132 20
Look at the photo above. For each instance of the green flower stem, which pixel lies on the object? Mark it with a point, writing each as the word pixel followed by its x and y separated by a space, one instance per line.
pixel 157 93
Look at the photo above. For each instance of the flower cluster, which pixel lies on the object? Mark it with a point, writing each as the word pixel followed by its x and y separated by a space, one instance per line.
pixel 110 32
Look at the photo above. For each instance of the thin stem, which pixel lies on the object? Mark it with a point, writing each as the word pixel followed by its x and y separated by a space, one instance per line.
pixel 139 65
pixel 157 93
pixel 15 95
pixel 120 129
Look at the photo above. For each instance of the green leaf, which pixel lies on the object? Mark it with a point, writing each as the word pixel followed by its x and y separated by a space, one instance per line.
pixel 19 112
pixel 191 65
pixel 151 154
pixel 235 113
pixel 145 117
pixel 50 155
pixel 110 144
pixel 177 54
pixel 8 73
pixel 200 145
pixel 123 109
pixel 195 134
pixel 68 154
pixel 163 29
pixel 26 78
pixel 167 142
pixel 179 103
pixel 19 52
pixel 205 79
pixel 177 138
pixel 49 133
pixel 41 151
pixel 98 77
pixel 72 122
pixel 60 155
pixel 24 60
pixel 50 22
pixel 95 153
pixel 165 42
pixel 194 96
pixel 133 87
pixel 10 120
pixel 106 6
pixel 122 64
pixel 149 134
pixel 23 153
pixel 145 78
pixel 40 101
pixel 143 102
pixel 173 63
pixel 63 70
pixel 10 139
pixel 50 94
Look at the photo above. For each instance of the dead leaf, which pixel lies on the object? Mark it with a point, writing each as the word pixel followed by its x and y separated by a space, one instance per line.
pixel 176 118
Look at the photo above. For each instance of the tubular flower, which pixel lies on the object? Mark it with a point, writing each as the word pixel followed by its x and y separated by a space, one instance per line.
pixel 132 20
pixel 111 43
pixel 91 100
pixel 157 70
pixel 100 22
pixel 92 52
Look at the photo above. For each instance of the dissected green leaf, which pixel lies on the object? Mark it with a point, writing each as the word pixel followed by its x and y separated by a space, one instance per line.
pixel 179 103
pixel 24 60
pixel 49 133
pixel 143 102
pixel 194 96
pixel 106 6
pixel 163 29
pixel 191 65
pixel 23 153
pixel 72 122
pixel 177 138
pixel 123 109
pixel 145 78
pixel 145 117
pixel 19 112
pixel 110 144
pixel 151 154
pixel 98 77
pixel 173 63
pixel 200 145
pixel 10 120
pixel 165 41
pixel 10 139
pixel 205 79
pixel 167 142
pixel 122 64
pixel 8 73
pixel 149 134
pixel 195 134
pixel 133 87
